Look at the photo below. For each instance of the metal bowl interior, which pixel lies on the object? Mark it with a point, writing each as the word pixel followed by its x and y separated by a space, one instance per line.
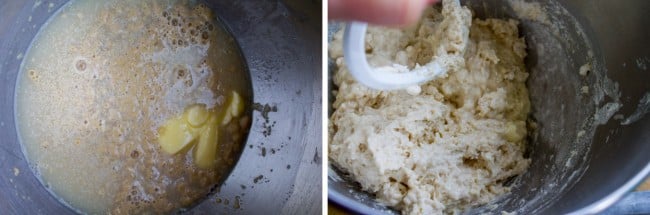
pixel 280 41
pixel 569 172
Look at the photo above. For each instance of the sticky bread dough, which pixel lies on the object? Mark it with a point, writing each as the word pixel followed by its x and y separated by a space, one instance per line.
pixel 453 145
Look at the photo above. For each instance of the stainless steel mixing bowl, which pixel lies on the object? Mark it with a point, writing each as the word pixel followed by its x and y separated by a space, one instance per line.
pixel 280 41
pixel 583 160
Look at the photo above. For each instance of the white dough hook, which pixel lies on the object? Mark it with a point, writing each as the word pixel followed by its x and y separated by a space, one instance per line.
pixel 383 78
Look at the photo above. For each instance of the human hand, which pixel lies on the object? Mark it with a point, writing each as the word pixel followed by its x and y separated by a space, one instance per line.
pixel 381 12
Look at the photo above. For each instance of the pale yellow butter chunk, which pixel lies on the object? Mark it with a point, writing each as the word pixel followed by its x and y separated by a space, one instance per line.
pixel 197 115
pixel 175 135
pixel 198 125
pixel 234 108
pixel 205 151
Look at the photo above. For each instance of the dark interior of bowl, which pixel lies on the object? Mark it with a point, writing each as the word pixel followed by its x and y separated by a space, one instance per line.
pixel 583 157
pixel 280 41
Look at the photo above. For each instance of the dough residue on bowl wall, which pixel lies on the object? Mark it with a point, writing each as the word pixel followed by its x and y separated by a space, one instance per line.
pixel 461 140
pixel 530 11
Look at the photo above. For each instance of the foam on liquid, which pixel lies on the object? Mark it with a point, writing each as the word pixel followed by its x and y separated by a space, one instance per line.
pixel 99 80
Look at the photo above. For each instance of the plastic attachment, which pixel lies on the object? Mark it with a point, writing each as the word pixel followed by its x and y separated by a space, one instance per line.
pixel 383 78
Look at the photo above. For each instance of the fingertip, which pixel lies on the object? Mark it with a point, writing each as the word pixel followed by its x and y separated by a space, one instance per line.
pixel 413 11
pixel 396 13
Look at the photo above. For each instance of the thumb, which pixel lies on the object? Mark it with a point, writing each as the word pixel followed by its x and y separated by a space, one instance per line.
pixel 383 12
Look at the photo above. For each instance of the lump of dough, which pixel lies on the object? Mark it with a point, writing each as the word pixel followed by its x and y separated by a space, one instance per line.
pixel 453 144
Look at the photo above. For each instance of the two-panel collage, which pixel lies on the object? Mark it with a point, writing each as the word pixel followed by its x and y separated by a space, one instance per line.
pixel 337 107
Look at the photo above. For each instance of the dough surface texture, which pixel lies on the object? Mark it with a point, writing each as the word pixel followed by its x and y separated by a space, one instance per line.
pixel 454 144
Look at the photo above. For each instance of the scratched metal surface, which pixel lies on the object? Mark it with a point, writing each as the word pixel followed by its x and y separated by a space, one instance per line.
pixel 279 170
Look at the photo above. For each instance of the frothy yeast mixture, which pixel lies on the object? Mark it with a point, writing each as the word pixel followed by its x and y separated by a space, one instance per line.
pixel 106 83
